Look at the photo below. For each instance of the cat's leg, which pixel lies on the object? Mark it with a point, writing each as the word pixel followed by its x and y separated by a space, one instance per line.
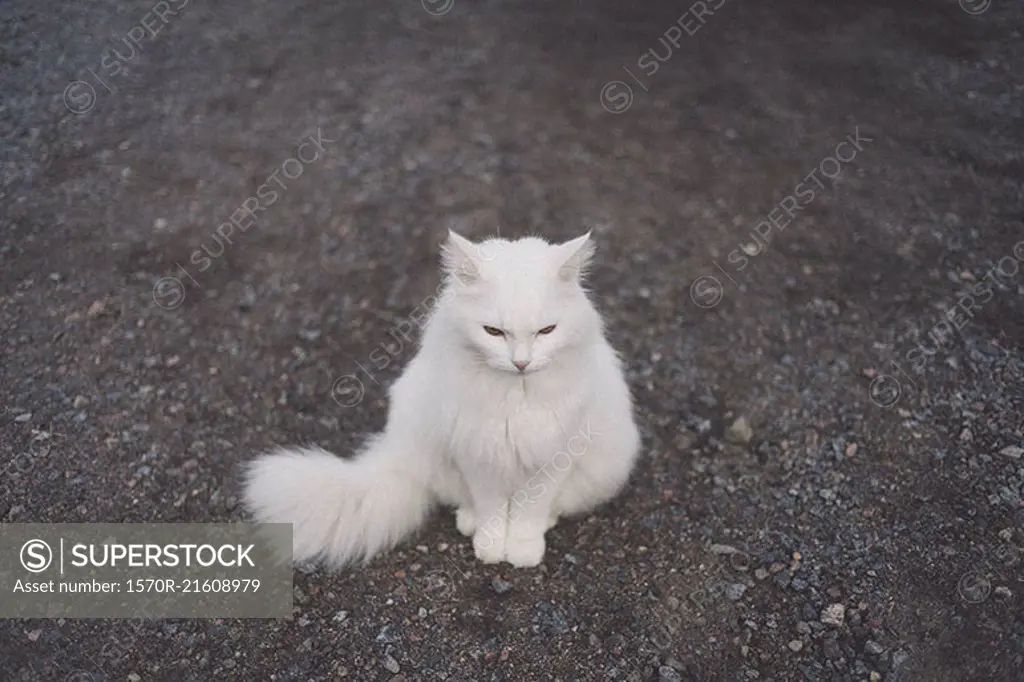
pixel 489 515
pixel 531 514
pixel 451 490
pixel 465 520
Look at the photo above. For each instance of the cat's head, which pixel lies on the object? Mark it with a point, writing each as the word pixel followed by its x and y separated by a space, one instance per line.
pixel 519 305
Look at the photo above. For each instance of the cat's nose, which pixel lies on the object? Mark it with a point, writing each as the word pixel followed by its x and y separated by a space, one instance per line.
pixel 521 364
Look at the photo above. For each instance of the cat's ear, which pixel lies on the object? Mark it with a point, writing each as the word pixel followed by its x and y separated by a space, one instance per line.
pixel 576 255
pixel 457 259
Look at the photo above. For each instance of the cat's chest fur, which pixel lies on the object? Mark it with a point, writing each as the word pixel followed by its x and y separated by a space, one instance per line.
pixel 516 429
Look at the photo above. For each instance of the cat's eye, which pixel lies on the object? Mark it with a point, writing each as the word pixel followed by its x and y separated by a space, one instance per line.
pixel 493 331
pixel 547 330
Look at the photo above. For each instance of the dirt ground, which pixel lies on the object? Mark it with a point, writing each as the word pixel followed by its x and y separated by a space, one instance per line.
pixel 810 222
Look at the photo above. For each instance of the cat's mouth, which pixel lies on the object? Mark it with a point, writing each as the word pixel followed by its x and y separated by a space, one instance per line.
pixel 523 373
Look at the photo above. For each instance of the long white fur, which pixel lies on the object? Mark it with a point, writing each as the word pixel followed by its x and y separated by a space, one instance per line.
pixel 468 429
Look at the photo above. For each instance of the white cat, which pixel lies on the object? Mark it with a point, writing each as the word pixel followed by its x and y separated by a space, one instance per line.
pixel 514 411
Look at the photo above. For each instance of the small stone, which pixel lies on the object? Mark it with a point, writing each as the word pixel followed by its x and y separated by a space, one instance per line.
pixel 875 677
pixel 1003 591
pixel 1012 452
pixel 966 436
pixel 851 449
pixel 668 674
pixel 79 402
pixel 739 432
pixel 33 635
pixel 723 549
pixel 832 650
pixel 304 621
pixel 833 615
pixel 735 591
pixel 134 677
pixel 55 277
pixel 247 300
pixel 500 586
pixel 803 628
pixel 391 665
pixel 760 574
pixel 24 417
pixel 159 224
pixel 97 308
pixel 309 334
pixel 795 645
pixel 340 617
pixel 386 636
pixel 873 648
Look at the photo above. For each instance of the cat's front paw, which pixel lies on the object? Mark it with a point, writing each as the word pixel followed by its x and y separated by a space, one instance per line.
pixel 488 548
pixel 525 552
pixel 465 521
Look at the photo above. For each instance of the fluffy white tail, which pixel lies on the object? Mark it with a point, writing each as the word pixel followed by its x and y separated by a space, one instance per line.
pixel 341 510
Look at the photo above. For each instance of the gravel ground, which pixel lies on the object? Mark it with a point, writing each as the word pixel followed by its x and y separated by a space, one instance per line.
pixel 833 471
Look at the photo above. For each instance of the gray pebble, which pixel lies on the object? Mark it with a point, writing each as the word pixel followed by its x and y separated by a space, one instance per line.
pixel 739 432
pixel 1012 452
pixel 387 635
pixel 723 549
pixel 833 615
pixel 734 591
pixel 500 586
pixel 391 665
pixel 668 674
